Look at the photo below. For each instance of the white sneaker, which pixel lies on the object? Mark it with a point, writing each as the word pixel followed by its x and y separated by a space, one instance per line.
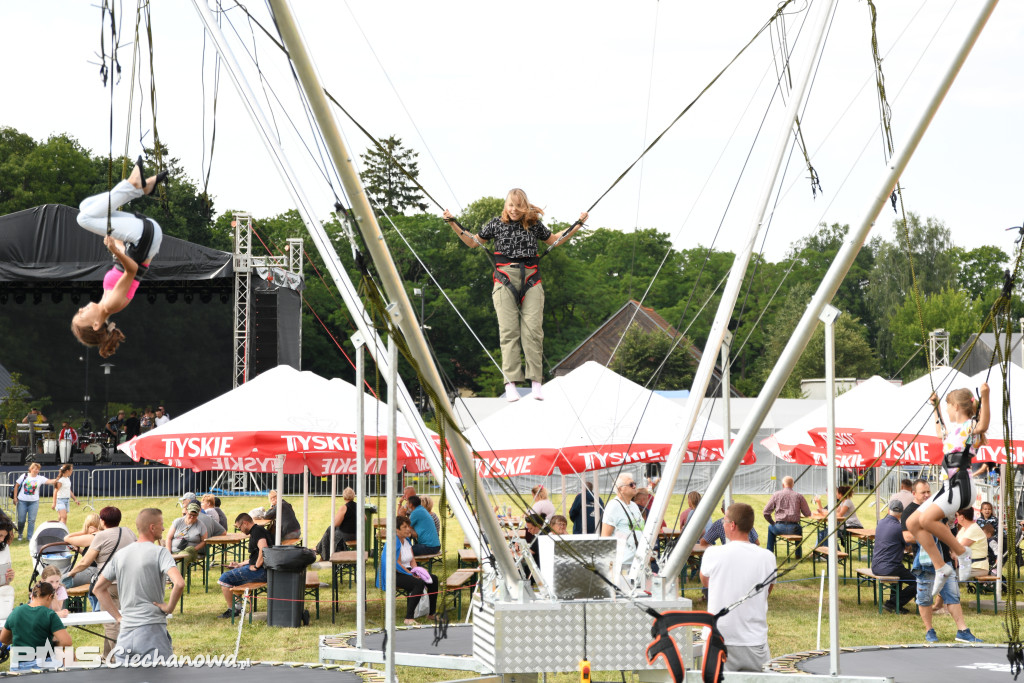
pixel 941 575
pixel 964 565
pixel 538 393
pixel 511 395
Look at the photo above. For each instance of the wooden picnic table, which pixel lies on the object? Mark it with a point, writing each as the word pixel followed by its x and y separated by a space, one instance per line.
pixel 234 542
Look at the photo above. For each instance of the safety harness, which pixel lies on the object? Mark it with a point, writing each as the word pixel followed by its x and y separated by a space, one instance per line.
pixel 138 251
pixel 529 275
pixel 715 651
pixel 961 480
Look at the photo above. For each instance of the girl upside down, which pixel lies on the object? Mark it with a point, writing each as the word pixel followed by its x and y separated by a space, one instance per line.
pixel 142 235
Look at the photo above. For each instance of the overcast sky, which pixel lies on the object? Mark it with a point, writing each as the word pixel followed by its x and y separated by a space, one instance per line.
pixel 559 98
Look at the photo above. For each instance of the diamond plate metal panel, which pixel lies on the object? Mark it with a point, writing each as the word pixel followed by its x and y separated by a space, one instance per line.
pixel 568 577
pixel 553 636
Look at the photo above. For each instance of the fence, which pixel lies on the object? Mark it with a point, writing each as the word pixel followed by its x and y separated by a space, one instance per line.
pixel 156 481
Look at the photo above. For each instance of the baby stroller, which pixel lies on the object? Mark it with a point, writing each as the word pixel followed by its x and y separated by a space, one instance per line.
pixel 47 547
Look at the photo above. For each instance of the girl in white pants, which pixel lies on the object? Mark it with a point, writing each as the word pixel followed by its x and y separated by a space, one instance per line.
pixel 91 324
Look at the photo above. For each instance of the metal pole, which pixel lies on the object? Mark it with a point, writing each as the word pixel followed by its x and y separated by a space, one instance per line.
pixel 826 290
pixel 278 516
pixel 392 283
pixel 392 537
pixel 305 506
pixel 720 326
pixel 360 491
pixel 828 316
pixel 348 292
pixel 726 422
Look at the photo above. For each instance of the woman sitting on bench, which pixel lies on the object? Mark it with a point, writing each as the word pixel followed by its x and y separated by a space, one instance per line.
pixel 408 577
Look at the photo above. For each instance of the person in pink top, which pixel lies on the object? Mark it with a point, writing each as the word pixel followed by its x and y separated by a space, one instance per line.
pixel 133 240
pixel 788 507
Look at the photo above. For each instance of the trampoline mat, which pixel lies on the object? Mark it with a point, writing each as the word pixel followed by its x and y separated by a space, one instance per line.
pixel 421 641
pixel 257 673
pixel 919 664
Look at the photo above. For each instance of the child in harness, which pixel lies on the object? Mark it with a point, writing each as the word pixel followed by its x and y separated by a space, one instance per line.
pixel 969 421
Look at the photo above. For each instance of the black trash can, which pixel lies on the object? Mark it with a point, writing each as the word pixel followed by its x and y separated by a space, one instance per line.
pixel 286 583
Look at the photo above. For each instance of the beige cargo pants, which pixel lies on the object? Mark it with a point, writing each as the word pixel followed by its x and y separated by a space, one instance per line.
pixel 520 329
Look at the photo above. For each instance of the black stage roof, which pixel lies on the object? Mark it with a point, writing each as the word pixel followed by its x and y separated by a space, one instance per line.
pixel 45 250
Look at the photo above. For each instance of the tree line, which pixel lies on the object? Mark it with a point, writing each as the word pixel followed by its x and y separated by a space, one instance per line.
pixel 586 280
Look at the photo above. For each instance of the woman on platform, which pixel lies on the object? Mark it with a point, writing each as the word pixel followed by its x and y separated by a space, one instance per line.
pixel 517 295
pixel 134 240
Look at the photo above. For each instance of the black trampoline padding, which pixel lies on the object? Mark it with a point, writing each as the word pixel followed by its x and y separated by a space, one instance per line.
pixel 919 664
pixel 459 642
pixel 258 673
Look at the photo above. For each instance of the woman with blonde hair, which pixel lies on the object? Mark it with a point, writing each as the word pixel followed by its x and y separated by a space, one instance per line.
pixel 517 295
pixel 541 505
pixel 346 520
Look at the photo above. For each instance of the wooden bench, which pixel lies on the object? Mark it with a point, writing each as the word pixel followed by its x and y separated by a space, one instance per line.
pixel 468 558
pixel 792 541
pixel 876 581
pixel 463 578
pixel 256 588
pixel 821 552
pixel 78 598
pixel 979 578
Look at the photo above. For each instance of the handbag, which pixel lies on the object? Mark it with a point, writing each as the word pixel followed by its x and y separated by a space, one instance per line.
pixel 423 606
pixel 95 578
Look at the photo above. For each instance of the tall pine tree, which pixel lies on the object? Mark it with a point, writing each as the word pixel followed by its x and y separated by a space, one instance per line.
pixel 390 190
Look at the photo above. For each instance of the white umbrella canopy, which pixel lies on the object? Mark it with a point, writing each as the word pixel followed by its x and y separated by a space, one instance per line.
pixel 590 419
pixel 308 419
pixel 800 441
pixel 902 432
pixel 995 450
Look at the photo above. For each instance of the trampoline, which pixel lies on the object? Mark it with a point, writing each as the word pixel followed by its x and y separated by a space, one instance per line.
pixel 459 642
pixel 907 663
pixel 257 673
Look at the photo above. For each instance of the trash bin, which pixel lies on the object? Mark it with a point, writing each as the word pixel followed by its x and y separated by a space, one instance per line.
pixel 286 583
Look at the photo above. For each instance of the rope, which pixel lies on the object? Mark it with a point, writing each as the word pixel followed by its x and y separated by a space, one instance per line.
pixel 885 115
pixel 107 74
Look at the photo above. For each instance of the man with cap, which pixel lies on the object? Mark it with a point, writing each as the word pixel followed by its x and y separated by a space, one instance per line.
pixel 212 525
pixel 887 558
pixel 187 534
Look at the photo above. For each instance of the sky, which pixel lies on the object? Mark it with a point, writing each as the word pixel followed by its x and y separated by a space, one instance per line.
pixel 558 98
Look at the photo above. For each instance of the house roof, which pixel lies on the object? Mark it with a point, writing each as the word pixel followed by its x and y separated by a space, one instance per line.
pixel 599 345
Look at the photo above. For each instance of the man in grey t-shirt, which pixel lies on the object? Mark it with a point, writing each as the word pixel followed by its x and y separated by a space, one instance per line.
pixel 141 571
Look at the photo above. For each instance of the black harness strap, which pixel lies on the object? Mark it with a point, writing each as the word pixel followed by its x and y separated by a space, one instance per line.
pixel 529 275
pixel 140 250
pixel 715 651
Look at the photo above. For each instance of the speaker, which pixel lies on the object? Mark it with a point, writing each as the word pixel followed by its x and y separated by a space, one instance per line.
pixel 83 459
pixel 45 459
pixel 275 315
pixel 11 458
pixel 119 458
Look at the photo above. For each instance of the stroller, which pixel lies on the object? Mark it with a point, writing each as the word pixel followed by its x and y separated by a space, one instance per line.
pixel 47 547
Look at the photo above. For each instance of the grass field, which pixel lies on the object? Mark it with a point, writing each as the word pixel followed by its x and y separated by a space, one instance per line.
pixel 792 615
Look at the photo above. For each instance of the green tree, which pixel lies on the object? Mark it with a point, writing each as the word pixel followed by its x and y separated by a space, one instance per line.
pixel 16 402
pixel 950 309
pixel 641 354
pixel 854 355
pixel 979 271
pixel 389 190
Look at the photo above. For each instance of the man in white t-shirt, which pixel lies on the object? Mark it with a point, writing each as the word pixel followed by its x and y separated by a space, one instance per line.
pixel 729 572
pixel 161 417
pixel 622 517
